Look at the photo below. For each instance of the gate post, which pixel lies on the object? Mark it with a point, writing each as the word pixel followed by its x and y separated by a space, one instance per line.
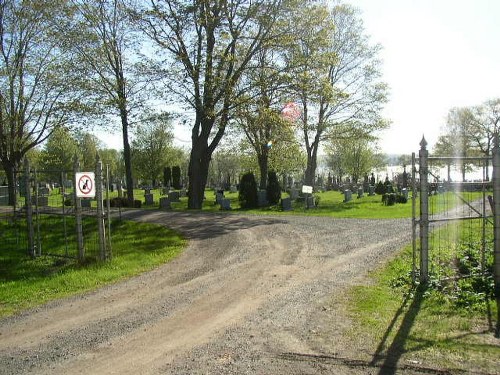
pixel 424 212
pixel 78 213
pixel 29 209
pixel 496 227
pixel 100 209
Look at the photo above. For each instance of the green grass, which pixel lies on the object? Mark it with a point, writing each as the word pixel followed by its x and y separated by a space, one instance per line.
pixel 423 325
pixel 137 247
pixel 331 204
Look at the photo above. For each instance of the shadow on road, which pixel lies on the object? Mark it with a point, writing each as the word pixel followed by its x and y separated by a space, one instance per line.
pixel 202 225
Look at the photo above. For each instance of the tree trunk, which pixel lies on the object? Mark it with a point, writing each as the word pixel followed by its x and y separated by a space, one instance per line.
pixel 312 160
pixel 263 160
pixel 198 173
pixel 127 158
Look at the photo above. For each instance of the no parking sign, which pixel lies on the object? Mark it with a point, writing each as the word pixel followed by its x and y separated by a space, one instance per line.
pixel 85 184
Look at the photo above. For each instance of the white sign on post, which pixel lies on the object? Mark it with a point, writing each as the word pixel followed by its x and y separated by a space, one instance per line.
pixel 307 189
pixel 85 184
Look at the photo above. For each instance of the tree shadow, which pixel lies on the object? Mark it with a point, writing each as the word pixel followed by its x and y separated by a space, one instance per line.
pixel 197 225
pixel 395 351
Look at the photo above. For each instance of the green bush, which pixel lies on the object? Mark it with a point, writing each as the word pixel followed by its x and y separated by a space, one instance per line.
pixel 248 191
pixel 273 189
pixel 380 188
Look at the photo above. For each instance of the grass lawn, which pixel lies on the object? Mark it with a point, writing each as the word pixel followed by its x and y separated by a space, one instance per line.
pixel 137 247
pixel 439 326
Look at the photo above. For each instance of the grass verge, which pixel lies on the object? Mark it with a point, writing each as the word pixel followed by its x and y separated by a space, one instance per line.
pixel 137 247
pixel 437 327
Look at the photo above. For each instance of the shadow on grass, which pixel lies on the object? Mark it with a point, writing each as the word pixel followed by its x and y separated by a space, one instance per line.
pixel 387 360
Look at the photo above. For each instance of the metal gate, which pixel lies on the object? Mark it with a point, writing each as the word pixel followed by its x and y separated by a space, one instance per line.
pixel 58 222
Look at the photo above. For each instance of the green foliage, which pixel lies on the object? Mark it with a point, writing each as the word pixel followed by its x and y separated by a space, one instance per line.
pixel 273 189
pixel 248 191
pixel 176 177
pixel 380 188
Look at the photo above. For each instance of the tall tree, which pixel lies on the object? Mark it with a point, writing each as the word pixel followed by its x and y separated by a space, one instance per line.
pixel 57 154
pixel 152 146
pixel 337 78
pixel 34 80
pixel 209 44
pixel 107 47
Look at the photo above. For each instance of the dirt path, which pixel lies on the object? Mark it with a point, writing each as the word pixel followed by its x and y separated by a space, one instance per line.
pixel 249 295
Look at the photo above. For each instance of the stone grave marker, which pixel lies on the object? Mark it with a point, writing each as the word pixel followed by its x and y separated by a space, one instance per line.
pixel 165 203
pixel 286 204
pixel 173 196
pixel 371 191
pixel 148 199
pixel 225 204
pixel 347 195
pixel 360 192
pixel 294 193
pixel 262 198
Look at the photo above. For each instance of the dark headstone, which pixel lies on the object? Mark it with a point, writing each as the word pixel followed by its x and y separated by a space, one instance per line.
pixel 262 198
pixel 360 192
pixel 225 204
pixel 86 203
pixel 148 199
pixel 347 195
pixel 165 203
pixel 173 196
pixel 286 204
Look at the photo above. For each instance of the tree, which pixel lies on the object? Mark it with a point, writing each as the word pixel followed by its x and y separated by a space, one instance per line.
pixel 209 45
pixel 336 78
pixel 152 145
pixel 355 157
pixel 57 154
pixel 35 81
pixel 248 191
pixel 88 149
pixel 106 46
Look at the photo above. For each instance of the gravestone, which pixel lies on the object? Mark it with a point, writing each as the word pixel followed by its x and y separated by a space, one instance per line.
pixel 294 193
pixel 310 201
pixel 440 189
pixel 371 191
pixel 360 192
pixel 148 199
pixel 86 203
pixel 262 198
pixel 404 193
pixel 173 196
pixel 286 204
pixel 219 196
pixel 43 191
pixel 347 195
pixel 233 189
pixel 225 204
pixel 165 203
pixel 182 192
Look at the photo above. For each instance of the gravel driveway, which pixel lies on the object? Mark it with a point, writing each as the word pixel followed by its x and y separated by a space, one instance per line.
pixel 250 294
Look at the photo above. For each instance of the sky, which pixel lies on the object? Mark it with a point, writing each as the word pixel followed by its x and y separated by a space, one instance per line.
pixel 437 55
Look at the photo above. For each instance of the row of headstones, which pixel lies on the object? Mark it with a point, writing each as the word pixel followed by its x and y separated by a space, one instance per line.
pixel 371 192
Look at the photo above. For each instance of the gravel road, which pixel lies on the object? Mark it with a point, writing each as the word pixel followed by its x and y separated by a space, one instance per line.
pixel 249 295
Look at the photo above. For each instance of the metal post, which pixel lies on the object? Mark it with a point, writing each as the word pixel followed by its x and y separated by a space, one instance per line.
pixel 414 218
pixel 100 209
pixel 424 212
pixel 78 213
pixel 108 211
pixel 29 209
pixel 496 227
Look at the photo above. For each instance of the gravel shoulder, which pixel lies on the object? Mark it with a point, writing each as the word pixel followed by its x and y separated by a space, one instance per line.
pixel 250 294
